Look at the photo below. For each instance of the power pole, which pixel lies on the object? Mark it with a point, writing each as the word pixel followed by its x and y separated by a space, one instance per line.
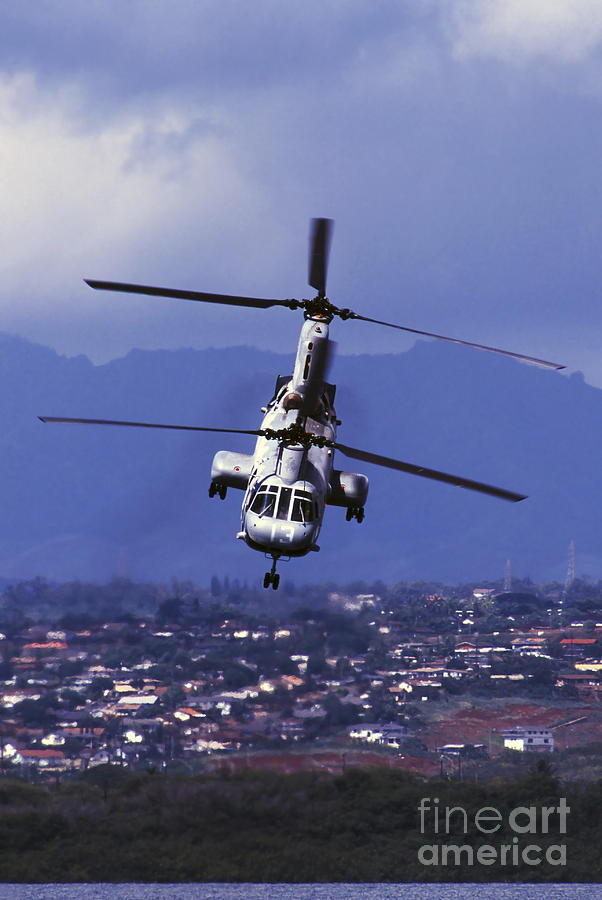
pixel 570 572
pixel 507 578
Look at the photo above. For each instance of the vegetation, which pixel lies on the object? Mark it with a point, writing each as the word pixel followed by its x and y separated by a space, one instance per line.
pixel 363 825
pixel 77 605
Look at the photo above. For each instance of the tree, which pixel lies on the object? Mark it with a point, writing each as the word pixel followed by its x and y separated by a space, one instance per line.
pixel 316 664
pixel 173 697
pixel 170 610
pixel 339 714
pixel 384 708
pixel 413 746
pixel 541 779
pixel 238 676
pixel 70 699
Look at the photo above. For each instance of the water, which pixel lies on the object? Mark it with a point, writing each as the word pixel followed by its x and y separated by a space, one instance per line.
pixel 300 891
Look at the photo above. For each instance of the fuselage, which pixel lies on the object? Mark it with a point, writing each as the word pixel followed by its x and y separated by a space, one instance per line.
pixel 284 503
pixel 290 478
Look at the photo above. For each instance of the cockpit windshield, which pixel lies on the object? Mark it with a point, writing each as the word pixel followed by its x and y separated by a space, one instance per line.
pixel 275 502
pixel 303 508
pixel 284 502
pixel 264 502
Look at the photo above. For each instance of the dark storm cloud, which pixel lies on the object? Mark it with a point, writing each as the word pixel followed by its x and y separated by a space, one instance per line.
pixel 456 144
pixel 124 49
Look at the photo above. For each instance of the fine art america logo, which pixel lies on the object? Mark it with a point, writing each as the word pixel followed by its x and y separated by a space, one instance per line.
pixel 515 851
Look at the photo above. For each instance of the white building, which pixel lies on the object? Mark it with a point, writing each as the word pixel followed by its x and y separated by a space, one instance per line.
pixel 528 738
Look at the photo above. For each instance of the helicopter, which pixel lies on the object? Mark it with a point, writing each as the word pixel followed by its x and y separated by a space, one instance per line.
pixel 290 478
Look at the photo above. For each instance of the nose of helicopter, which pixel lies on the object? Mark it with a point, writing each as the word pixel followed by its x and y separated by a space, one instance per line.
pixel 290 538
pixel 282 518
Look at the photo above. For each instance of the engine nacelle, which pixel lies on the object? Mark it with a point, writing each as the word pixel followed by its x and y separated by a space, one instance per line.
pixel 231 469
pixel 347 489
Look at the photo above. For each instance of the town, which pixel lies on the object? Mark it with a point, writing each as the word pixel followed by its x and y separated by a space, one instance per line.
pixel 423 677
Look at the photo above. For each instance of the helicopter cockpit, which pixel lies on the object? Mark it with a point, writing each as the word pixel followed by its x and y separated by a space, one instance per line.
pixel 282 518
pixel 284 503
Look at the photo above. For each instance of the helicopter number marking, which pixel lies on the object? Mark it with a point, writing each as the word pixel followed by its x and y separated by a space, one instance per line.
pixel 284 532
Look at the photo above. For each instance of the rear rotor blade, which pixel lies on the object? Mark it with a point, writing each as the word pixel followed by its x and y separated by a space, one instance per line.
pixel 389 463
pixel 256 302
pixel 319 247
pixel 441 337
pixel 145 425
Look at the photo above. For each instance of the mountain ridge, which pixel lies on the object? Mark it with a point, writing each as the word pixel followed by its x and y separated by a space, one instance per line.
pixel 85 502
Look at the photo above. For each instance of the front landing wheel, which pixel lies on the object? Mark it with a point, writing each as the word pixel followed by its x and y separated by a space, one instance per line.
pixel 272 577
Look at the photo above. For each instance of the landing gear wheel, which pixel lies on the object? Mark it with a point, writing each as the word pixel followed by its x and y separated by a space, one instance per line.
pixel 272 577
pixel 212 489
pixel 355 512
pixel 222 491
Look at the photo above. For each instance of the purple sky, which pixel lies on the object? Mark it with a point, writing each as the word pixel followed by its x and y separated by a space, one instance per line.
pixel 457 143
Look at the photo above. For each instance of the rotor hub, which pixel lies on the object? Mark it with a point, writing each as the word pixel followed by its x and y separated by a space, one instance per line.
pixel 321 308
pixel 296 434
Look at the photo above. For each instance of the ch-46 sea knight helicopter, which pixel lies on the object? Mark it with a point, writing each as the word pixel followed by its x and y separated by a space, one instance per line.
pixel 290 477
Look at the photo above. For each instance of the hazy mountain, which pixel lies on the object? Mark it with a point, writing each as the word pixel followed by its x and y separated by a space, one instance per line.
pixel 89 502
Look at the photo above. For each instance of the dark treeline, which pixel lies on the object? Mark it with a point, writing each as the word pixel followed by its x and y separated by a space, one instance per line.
pixel 361 826
pixel 78 604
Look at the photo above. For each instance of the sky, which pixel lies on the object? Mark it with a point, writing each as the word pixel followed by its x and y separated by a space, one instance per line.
pixel 457 144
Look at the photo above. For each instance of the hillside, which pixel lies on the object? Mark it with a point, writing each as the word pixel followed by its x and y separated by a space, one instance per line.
pixel 84 502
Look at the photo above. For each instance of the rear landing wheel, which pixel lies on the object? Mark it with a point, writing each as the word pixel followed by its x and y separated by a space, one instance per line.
pixel 355 512
pixel 266 580
pixel 275 581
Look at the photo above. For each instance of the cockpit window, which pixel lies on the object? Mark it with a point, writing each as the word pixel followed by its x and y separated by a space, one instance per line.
pixel 303 507
pixel 302 510
pixel 284 502
pixel 276 503
pixel 264 504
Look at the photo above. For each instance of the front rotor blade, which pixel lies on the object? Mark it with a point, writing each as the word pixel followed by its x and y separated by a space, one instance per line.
pixel 145 425
pixel 319 247
pixel 256 302
pixel 389 463
pixel 441 337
